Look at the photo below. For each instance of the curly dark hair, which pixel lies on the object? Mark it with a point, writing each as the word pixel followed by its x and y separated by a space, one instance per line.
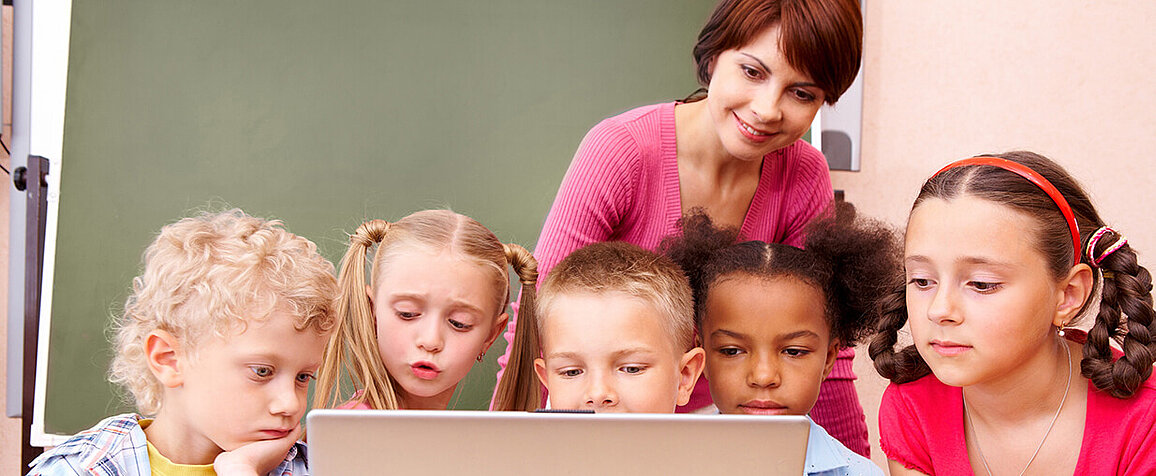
pixel 851 260
pixel 1126 289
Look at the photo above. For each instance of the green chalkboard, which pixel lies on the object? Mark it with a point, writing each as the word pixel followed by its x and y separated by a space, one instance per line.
pixel 323 114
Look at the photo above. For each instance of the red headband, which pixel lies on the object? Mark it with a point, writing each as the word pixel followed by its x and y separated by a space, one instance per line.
pixel 1038 180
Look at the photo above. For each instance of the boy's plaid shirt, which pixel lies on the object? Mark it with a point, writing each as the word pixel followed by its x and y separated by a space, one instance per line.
pixel 117 447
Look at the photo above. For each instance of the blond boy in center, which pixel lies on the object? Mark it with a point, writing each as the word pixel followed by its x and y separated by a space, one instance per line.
pixel 616 326
pixel 218 342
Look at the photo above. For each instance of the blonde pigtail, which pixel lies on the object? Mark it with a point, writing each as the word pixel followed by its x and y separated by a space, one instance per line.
pixel 519 389
pixel 353 346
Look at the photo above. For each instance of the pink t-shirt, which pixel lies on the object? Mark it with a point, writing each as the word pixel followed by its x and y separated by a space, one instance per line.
pixel 623 186
pixel 921 426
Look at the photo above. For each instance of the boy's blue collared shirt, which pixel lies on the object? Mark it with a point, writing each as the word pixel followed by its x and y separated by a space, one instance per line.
pixel 117 446
pixel 826 456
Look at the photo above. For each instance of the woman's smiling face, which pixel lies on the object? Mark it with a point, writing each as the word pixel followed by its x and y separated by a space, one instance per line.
pixel 758 102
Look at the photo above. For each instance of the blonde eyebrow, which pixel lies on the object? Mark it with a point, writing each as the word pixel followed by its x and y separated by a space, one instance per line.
pixel 456 303
pixel 563 355
pixel 470 307
pixel 271 357
pixel 616 354
pixel 632 350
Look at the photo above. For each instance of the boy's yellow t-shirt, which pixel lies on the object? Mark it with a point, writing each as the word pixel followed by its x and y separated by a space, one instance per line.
pixel 161 466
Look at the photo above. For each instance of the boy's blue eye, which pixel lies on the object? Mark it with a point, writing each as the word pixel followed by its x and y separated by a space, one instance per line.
pixel 632 369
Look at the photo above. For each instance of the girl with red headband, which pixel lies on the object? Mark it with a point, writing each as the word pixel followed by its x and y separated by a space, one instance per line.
pixel 1006 261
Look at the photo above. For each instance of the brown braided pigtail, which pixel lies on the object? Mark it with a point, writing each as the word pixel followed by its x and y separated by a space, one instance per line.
pixel 1125 316
pixel 519 389
pixel 353 348
pixel 903 366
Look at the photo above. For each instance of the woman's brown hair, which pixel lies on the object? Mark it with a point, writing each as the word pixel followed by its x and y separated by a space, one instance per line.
pixel 353 347
pixel 1125 313
pixel 821 38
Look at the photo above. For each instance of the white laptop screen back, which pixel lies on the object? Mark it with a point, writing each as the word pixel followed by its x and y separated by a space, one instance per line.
pixel 348 442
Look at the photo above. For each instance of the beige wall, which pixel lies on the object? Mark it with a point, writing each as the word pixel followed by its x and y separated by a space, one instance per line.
pixel 9 427
pixel 944 80
pixel 949 79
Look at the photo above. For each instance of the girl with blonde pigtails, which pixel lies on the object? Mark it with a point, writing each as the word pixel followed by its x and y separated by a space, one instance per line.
pixel 435 303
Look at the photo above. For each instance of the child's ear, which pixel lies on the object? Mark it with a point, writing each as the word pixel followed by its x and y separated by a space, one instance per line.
pixel 832 354
pixel 698 342
pixel 540 370
pixel 499 326
pixel 1073 292
pixel 690 367
pixel 163 352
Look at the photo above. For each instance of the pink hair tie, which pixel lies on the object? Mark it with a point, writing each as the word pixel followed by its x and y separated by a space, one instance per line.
pixel 1095 240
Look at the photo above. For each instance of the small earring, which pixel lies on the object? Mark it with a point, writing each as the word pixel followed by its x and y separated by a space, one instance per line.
pixel 481 356
pixel 1063 329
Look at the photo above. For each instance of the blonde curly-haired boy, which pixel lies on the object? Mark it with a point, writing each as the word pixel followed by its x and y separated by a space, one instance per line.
pixel 223 331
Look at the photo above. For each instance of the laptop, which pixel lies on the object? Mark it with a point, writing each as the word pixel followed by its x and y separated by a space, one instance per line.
pixel 474 443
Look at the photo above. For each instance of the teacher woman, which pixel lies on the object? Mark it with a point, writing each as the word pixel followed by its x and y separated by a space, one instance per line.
pixel 733 149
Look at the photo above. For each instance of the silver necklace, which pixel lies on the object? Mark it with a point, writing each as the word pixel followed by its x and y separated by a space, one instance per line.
pixel 1046 433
